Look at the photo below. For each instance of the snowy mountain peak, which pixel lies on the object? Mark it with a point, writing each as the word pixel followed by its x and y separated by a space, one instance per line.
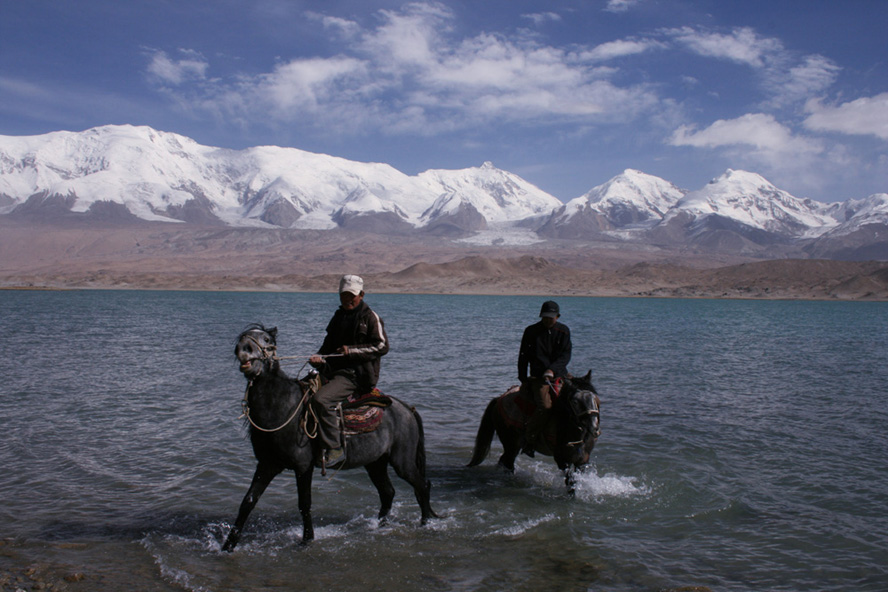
pixel 750 199
pixel 632 198
pixel 499 196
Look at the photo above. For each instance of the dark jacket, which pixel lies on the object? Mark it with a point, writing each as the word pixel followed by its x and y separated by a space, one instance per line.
pixel 363 332
pixel 544 349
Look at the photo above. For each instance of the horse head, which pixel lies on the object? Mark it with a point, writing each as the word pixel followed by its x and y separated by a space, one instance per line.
pixel 582 405
pixel 256 350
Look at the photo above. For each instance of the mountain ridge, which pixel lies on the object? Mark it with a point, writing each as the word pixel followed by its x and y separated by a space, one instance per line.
pixel 136 172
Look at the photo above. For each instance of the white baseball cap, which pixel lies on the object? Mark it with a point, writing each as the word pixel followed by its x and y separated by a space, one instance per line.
pixel 353 284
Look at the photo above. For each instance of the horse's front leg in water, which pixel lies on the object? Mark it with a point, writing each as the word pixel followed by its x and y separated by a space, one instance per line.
pixel 261 479
pixel 303 483
pixel 570 480
pixel 378 471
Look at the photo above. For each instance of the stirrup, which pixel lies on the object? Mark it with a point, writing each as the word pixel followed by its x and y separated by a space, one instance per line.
pixel 336 464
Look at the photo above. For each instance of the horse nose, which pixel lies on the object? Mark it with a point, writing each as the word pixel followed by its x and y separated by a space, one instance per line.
pixel 243 354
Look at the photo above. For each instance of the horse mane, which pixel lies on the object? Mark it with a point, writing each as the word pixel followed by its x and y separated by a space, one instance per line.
pixel 581 383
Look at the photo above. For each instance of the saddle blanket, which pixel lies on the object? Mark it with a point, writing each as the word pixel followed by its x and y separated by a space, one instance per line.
pixel 363 413
pixel 515 409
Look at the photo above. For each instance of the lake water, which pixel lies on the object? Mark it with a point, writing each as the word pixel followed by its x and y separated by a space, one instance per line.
pixel 744 447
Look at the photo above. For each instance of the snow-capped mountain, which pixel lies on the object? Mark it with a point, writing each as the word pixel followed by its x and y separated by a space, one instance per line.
pixel 162 176
pixel 127 172
pixel 751 200
pixel 476 197
pixel 861 231
pixel 853 214
pixel 631 200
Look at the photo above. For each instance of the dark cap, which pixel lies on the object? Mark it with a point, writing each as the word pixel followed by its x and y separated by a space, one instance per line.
pixel 550 309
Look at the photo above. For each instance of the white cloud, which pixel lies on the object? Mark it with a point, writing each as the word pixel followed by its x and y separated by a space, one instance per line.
pixel 864 116
pixel 304 84
pixel 759 142
pixel 742 45
pixel 410 74
pixel 540 18
pixel 620 48
pixel 620 5
pixel 757 130
pixel 408 38
pixel 785 76
pixel 345 27
pixel 191 66
pixel 790 83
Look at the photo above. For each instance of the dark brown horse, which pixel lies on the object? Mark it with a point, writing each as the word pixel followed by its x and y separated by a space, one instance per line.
pixel 570 436
pixel 275 405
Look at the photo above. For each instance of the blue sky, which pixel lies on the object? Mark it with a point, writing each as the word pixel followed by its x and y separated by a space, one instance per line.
pixel 566 94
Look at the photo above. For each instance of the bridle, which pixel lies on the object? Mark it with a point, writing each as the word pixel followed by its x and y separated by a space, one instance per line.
pixel 577 415
pixel 267 352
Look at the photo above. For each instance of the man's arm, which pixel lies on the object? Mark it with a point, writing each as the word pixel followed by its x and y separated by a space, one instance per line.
pixel 377 345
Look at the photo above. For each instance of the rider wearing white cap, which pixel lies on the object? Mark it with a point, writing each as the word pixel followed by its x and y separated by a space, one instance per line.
pixel 356 336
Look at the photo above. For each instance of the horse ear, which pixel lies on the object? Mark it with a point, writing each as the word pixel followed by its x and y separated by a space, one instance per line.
pixel 274 335
pixel 588 377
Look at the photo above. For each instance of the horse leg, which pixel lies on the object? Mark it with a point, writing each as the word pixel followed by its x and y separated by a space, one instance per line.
pixel 303 484
pixel 422 489
pixel 511 448
pixel 261 478
pixel 378 471
pixel 412 469
pixel 570 480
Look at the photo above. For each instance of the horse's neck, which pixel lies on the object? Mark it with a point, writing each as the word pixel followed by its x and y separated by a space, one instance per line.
pixel 275 387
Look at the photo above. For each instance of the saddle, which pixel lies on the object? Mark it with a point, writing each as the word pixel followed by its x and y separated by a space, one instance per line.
pixel 363 413
pixel 516 407
pixel 359 414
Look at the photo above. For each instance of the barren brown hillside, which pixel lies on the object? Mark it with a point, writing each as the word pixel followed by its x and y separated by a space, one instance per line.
pixel 166 256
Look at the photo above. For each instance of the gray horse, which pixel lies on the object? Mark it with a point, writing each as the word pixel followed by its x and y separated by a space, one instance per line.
pixel 275 406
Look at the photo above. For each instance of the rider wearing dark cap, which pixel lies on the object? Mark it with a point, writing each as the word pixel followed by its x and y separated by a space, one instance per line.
pixel 545 350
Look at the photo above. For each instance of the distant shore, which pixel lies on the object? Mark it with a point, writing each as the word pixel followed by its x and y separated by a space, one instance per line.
pixel 165 257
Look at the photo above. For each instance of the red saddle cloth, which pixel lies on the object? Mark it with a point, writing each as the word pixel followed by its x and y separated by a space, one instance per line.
pixel 363 413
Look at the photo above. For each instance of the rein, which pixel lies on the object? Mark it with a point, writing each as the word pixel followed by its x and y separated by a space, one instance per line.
pixel 270 353
pixel 246 411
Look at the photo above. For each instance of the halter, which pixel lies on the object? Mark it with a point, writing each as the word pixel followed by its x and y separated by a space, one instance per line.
pixel 595 411
pixel 268 352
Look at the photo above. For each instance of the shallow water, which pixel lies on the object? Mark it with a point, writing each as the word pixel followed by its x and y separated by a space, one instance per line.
pixel 743 447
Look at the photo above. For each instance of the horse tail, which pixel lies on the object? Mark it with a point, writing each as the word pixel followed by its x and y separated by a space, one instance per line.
pixel 485 435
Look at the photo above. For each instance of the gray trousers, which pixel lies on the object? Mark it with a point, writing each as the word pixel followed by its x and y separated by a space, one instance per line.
pixel 324 404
